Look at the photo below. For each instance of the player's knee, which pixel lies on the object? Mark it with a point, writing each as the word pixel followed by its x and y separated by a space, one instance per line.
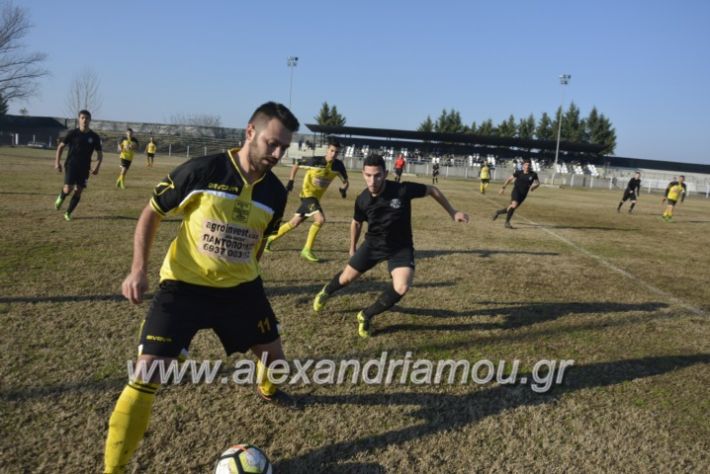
pixel 401 288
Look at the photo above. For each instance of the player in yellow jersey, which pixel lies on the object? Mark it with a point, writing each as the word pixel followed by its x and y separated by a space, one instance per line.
pixel 210 275
pixel 321 172
pixel 150 150
pixel 128 147
pixel 485 177
pixel 676 190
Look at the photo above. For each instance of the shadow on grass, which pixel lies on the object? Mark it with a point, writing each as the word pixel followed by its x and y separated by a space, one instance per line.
pixel 439 412
pixel 308 292
pixel 574 227
pixel 515 316
pixel 482 253
pixel 66 298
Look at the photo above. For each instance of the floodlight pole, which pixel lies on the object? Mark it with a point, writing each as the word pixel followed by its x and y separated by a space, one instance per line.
pixel 291 62
pixel 564 80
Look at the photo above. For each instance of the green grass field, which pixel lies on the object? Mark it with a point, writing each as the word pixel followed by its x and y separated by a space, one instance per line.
pixel 625 296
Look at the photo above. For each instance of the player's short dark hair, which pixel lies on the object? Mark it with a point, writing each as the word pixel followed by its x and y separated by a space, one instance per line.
pixel 374 160
pixel 682 176
pixel 129 129
pixel 332 141
pixel 274 110
pixel 84 112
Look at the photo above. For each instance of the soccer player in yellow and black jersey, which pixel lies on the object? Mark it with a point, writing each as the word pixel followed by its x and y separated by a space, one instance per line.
pixel 150 150
pixel 82 143
pixel 128 147
pixel 485 177
pixel 210 275
pixel 321 172
pixel 676 190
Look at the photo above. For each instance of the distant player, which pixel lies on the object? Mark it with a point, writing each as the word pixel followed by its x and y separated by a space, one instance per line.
pixel 386 207
pixel 676 190
pixel 525 181
pixel 83 142
pixel 321 172
pixel 435 171
pixel 485 176
pixel 128 146
pixel 150 150
pixel 399 164
pixel 632 191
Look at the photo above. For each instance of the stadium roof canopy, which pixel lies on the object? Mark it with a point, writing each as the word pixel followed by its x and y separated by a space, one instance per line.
pixel 429 139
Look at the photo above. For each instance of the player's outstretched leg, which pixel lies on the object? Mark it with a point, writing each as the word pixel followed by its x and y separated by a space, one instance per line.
pixel 385 301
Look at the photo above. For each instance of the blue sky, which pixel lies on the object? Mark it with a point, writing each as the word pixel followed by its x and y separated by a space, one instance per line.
pixel 644 64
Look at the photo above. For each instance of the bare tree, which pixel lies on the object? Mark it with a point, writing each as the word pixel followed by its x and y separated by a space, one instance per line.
pixel 200 120
pixel 19 71
pixel 84 93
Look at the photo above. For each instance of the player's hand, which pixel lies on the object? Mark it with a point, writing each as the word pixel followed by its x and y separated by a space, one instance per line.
pixel 95 171
pixel 289 185
pixel 133 287
pixel 501 191
pixel 461 217
pixel 352 252
pixel 663 199
pixel 58 167
pixel 343 192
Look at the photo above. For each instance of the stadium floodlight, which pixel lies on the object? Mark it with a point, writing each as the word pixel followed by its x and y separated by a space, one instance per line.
pixel 291 62
pixel 564 80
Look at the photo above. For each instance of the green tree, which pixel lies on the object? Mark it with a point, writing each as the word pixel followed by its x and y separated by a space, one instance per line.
pixel 526 127
pixel 449 122
pixel 545 129
pixel 427 125
pixel 487 128
pixel 473 129
pixel 572 126
pixel 599 131
pixel 329 116
pixel 508 128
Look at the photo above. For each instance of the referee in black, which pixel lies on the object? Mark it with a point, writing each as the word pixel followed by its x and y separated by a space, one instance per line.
pixel 386 207
pixel 525 181
pixel 82 143
pixel 632 191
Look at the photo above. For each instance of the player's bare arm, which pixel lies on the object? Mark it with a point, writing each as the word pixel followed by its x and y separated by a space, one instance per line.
pixel 507 182
pixel 58 157
pixel 99 159
pixel 292 177
pixel 136 283
pixel 355 230
pixel 439 197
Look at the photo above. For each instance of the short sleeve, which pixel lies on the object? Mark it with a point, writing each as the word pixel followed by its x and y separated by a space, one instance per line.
pixel 414 190
pixel 339 167
pixel 170 193
pixel 68 137
pixel 359 214
pixel 97 142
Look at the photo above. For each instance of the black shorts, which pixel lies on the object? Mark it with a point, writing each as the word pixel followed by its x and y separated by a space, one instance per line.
pixel 398 171
pixel 76 174
pixel 309 206
pixel 241 317
pixel 126 163
pixel 485 180
pixel 629 194
pixel 518 196
pixel 366 257
pixel 150 155
pixel 672 202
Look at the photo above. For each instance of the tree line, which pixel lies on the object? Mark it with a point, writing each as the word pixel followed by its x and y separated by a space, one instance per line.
pixel 595 128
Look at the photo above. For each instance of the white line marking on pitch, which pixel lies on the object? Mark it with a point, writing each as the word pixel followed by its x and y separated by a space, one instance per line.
pixel 611 266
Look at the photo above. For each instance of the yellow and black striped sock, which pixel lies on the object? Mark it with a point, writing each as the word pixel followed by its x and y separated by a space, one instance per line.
pixel 127 425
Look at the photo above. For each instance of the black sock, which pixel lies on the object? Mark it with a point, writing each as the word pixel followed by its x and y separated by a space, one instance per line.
pixel 621 204
pixel 501 211
pixel 334 284
pixel 63 195
pixel 510 214
pixel 74 201
pixel 385 301
pixel 632 207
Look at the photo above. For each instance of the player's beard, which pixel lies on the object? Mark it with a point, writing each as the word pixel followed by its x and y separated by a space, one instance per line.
pixel 260 163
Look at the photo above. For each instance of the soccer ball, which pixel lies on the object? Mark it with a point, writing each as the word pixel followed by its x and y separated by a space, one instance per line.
pixel 243 459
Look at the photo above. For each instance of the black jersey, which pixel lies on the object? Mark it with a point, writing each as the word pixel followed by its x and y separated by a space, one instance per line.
pixel 523 181
pixel 81 146
pixel 389 214
pixel 634 185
